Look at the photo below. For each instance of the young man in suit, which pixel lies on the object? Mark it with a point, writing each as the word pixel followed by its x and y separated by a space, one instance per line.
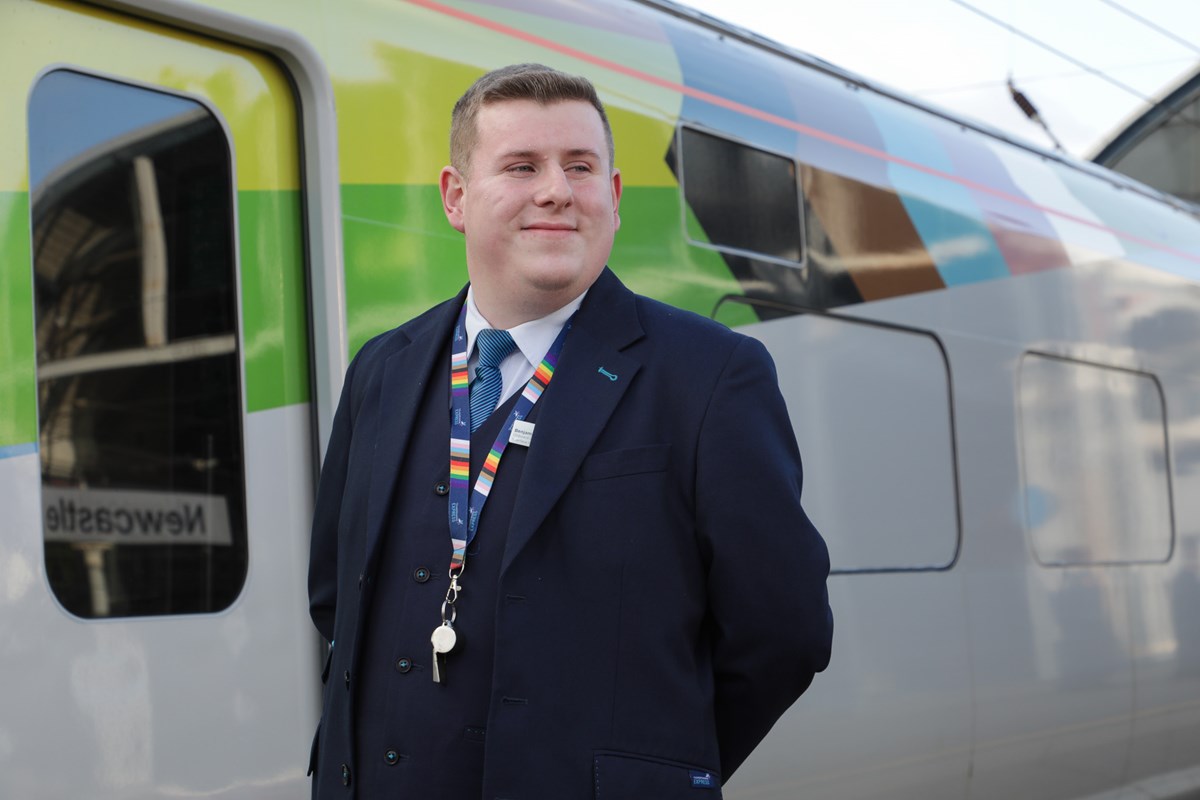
pixel 623 604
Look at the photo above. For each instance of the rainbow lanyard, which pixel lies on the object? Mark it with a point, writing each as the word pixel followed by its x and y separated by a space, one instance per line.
pixel 462 531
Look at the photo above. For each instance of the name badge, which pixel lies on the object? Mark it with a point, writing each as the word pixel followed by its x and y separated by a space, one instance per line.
pixel 522 433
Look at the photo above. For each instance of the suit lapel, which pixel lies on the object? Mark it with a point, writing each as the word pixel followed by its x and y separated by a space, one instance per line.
pixel 592 377
pixel 406 376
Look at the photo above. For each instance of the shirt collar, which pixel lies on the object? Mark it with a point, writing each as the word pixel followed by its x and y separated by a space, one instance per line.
pixel 532 338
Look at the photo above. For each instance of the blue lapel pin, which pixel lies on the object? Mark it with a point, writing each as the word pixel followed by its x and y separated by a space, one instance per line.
pixel 607 374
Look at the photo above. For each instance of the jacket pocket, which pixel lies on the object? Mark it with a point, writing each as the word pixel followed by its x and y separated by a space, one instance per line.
pixel 629 776
pixel 631 461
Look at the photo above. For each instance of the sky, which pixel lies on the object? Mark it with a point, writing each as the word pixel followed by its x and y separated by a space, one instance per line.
pixel 951 56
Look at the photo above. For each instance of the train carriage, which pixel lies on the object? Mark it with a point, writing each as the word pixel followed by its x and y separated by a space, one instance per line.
pixel 988 352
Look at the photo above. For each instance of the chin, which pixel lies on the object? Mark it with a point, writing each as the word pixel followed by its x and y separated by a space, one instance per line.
pixel 554 279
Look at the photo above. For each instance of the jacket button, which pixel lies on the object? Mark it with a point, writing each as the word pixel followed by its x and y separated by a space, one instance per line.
pixel 403 665
pixel 345 775
pixel 347 678
pixel 442 488
pixel 361 577
pixel 391 757
pixel 421 574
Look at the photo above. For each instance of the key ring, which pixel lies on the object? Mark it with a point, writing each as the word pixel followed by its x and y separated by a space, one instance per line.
pixel 453 589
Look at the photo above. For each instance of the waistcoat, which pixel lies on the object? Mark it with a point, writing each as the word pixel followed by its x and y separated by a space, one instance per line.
pixel 415 738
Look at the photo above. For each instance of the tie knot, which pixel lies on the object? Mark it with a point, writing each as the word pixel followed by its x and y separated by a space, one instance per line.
pixel 493 347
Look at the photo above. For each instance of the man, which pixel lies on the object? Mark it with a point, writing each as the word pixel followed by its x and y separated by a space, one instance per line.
pixel 624 604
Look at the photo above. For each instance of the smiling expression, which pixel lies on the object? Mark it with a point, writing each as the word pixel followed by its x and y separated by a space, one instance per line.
pixel 538 207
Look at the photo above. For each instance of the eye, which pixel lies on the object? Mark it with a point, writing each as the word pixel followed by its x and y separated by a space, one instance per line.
pixel 521 168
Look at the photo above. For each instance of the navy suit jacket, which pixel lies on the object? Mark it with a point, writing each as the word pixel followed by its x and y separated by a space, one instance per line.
pixel 675 589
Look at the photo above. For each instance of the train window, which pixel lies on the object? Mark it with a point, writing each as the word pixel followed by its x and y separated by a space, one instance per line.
pixel 872 412
pixel 741 198
pixel 1094 463
pixel 138 373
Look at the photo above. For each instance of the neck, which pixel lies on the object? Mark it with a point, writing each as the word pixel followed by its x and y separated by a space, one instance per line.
pixel 506 316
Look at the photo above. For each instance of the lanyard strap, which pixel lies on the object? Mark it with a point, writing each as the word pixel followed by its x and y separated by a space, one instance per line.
pixel 462 530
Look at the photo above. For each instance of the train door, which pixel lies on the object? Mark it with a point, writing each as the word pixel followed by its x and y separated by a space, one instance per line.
pixel 155 439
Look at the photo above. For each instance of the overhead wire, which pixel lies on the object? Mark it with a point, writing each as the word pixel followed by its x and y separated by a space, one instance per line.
pixel 1083 65
pixel 1088 68
pixel 1154 26
pixel 1039 77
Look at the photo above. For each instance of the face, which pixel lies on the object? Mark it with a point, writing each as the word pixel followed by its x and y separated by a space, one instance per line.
pixel 538 207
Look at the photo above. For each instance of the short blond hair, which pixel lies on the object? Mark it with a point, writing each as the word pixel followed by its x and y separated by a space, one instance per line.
pixel 535 82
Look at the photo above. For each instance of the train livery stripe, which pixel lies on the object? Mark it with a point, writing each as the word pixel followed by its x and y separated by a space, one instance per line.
pixel 764 89
pixel 590 17
pixel 900 160
pixel 1082 243
pixel 394 97
pixel 17 450
pixel 18 398
pixel 1123 208
pixel 275 330
pixel 400 254
pixel 944 214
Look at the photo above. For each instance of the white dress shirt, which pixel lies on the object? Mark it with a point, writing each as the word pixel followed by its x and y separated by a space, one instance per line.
pixel 533 340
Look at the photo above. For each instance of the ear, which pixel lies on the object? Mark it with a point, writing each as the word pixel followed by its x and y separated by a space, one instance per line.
pixel 453 186
pixel 616 196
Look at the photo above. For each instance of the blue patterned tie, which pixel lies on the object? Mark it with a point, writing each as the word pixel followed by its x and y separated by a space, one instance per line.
pixel 493 347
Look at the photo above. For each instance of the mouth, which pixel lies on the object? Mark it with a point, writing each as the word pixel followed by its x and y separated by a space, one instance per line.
pixel 550 227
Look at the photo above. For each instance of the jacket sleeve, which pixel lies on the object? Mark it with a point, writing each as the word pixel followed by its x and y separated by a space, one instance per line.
pixel 323 547
pixel 768 604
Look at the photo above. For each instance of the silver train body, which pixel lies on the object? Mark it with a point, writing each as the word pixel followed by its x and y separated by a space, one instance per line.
pixel 991 357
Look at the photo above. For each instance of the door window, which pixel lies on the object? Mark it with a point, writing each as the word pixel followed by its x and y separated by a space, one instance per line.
pixel 140 430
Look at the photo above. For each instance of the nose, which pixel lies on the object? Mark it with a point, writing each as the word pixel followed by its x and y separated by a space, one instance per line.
pixel 553 188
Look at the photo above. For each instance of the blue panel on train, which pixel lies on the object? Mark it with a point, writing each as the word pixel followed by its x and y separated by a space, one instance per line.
pixel 713 64
pixel 946 216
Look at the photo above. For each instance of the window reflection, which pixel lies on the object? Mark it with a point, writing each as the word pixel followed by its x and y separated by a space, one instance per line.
pixel 138 377
pixel 743 198
pixel 1094 463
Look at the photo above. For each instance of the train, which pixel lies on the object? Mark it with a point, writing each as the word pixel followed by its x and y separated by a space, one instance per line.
pixel 988 350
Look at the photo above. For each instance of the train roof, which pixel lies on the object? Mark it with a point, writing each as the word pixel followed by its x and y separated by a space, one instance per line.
pixel 1096 169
